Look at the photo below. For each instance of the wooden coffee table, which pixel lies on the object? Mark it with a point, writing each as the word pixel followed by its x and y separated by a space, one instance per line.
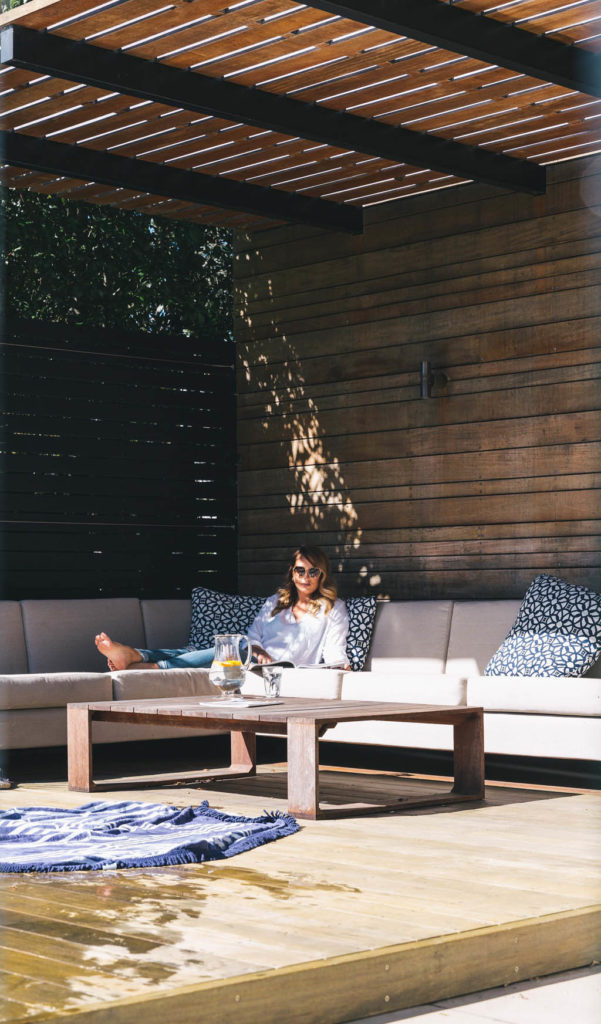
pixel 302 720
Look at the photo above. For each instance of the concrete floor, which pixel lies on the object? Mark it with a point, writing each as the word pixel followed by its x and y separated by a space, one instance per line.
pixel 573 997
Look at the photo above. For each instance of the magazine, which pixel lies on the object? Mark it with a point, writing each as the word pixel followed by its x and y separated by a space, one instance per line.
pixel 258 669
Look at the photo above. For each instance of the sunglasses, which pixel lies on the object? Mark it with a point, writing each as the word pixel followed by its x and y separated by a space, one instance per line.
pixel 299 570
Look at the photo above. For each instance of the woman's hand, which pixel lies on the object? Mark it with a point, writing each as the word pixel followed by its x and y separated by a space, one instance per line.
pixel 262 656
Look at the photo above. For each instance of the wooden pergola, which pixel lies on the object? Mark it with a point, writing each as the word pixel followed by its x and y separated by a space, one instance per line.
pixel 268 111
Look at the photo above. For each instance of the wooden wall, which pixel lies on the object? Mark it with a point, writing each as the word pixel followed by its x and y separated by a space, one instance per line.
pixel 469 493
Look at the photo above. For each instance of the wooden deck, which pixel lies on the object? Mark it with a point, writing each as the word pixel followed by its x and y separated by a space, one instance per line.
pixel 346 918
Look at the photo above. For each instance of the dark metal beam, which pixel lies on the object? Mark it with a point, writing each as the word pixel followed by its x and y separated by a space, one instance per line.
pixel 477 36
pixel 141 175
pixel 117 72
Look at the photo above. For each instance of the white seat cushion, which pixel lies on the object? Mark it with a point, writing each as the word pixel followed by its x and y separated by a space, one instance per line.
pixel 53 689
pixel 151 683
pixel 547 695
pixel 406 687
pixel 322 683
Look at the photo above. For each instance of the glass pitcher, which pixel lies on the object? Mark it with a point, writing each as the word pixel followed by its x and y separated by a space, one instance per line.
pixel 227 670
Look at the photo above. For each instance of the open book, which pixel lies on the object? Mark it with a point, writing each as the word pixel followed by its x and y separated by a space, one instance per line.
pixel 257 669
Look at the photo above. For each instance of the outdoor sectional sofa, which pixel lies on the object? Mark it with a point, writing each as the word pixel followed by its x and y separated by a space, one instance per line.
pixel 421 652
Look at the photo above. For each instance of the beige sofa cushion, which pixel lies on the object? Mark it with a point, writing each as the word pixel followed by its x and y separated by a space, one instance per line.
pixel 13 653
pixel 53 689
pixel 153 683
pixel 410 635
pixel 60 633
pixel 546 695
pixel 478 629
pixel 166 622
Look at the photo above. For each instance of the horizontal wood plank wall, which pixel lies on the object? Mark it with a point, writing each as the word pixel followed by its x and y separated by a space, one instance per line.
pixel 469 493
pixel 118 460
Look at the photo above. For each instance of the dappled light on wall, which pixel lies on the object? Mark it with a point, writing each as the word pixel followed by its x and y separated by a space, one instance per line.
pixel 306 497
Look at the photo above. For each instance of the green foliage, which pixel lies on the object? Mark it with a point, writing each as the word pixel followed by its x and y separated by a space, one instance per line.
pixel 7 5
pixel 78 263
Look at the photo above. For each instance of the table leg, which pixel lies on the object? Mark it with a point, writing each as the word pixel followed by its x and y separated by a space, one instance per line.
pixel 303 768
pixel 79 749
pixel 469 755
pixel 243 747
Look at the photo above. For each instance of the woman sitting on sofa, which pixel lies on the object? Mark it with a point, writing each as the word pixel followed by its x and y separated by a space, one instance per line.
pixel 305 623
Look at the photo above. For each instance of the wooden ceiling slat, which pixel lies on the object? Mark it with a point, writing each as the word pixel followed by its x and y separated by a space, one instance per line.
pixel 60 114
pixel 105 134
pixel 225 64
pixel 431 87
pixel 508 126
pixel 173 37
pixel 15 78
pixel 466 114
pixel 36 93
pixel 42 15
pixel 108 19
pixel 131 140
pixel 405 56
pixel 439 100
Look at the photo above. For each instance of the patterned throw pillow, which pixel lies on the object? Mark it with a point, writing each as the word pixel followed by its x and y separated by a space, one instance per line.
pixel 557 632
pixel 213 612
pixel 361 613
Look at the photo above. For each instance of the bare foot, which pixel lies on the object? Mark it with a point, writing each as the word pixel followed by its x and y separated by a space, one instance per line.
pixel 119 656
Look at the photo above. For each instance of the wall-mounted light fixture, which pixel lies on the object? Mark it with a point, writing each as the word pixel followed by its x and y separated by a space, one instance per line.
pixel 429 379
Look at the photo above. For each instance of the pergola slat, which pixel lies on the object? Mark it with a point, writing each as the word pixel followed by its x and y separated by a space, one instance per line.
pixel 482 37
pixel 50 54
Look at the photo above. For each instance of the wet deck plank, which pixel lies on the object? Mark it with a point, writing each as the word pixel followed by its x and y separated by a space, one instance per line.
pixel 337 893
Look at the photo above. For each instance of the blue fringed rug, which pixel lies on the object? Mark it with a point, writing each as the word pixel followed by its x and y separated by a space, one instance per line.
pixel 129 835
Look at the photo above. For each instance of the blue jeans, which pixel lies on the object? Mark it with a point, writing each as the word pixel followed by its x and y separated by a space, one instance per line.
pixel 179 657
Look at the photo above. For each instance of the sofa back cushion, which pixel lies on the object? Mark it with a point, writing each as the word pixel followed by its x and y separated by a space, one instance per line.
pixel 166 622
pixel 410 636
pixel 59 634
pixel 477 630
pixel 13 653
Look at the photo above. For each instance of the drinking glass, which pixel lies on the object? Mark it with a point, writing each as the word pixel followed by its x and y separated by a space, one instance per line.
pixel 272 680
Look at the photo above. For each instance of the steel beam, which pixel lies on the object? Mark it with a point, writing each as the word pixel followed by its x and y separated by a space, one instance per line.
pixel 50 157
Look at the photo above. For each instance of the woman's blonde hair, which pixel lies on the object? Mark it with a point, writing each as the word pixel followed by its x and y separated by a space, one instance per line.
pixel 326 592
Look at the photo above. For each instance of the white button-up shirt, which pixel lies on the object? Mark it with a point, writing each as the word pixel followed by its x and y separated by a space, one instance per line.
pixel 310 641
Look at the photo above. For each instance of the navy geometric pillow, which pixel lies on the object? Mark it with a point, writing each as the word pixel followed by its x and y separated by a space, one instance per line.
pixel 361 613
pixel 557 632
pixel 213 612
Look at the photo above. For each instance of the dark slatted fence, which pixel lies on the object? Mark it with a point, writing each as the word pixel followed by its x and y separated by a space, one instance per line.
pixel 119 463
